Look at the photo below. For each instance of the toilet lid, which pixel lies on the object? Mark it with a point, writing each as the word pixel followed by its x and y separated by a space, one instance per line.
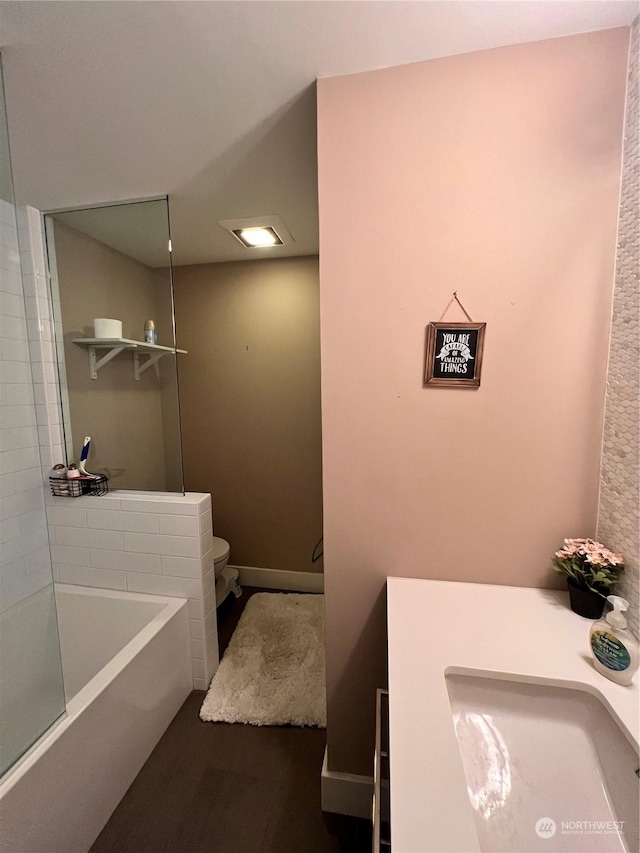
pixel 221 549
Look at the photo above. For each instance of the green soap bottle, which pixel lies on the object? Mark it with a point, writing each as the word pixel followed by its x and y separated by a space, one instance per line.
pixel 614 649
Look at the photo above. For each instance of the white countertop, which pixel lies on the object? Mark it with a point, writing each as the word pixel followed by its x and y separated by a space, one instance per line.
pixel 440 627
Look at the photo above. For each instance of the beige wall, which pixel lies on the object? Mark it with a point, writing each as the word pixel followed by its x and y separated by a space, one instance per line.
pixel 123 416
pixel 496 174
pixel 250 400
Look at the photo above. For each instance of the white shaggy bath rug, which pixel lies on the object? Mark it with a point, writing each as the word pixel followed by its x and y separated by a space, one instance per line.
pixel 272 673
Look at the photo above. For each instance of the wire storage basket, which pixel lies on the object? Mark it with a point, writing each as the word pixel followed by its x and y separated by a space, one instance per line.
pixel 78 486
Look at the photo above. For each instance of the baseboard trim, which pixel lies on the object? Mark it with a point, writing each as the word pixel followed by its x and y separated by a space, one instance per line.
pixel 346 793
pixel 281 579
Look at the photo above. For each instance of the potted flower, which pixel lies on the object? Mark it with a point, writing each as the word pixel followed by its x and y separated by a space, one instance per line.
pixel 592 572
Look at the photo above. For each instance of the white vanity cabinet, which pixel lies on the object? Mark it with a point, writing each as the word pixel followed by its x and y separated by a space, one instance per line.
pixel 499 681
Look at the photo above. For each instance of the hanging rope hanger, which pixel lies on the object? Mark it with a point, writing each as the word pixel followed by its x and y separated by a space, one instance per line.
pixel 453 299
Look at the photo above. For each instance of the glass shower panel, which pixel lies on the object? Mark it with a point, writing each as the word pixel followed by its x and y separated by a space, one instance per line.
pixel 118 378
pixel 31 686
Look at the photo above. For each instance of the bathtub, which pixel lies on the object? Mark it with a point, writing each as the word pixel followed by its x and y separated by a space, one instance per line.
pixel 127 670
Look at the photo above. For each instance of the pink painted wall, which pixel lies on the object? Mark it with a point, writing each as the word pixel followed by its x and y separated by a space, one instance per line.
pixel 496 174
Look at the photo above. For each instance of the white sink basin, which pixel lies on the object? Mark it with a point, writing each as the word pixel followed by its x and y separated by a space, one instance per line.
pixel 547 768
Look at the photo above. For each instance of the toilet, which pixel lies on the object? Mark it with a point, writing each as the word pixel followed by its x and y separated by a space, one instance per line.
pixel 227 578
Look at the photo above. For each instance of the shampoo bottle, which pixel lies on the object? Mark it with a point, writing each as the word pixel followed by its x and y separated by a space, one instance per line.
pixel 615 651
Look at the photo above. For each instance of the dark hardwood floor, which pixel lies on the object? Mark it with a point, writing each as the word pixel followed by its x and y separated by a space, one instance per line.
pixel 222 788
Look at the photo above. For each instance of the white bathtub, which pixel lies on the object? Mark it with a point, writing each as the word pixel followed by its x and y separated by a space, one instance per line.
pixel 127 670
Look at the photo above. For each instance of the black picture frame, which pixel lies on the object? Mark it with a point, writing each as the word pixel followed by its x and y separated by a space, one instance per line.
pixel 454 355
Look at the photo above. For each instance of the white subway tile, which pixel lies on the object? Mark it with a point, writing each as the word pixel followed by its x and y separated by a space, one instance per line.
pixel 211 621
pixel 196 629
pixel 10 281
pixel 28 282
pixel 10 259
pixel 199 684
pixel 9 528
pixel 195 608
pixel 31 308
pixel 44 437
pixel 14 350
pixel 18 416
pixel 17 372
pixel 208 582
pixel 67 516
pixel 17 460
pixel 85 576
pixel 37 372
pixel 14 549
pixel 44 306
pixel 184 567
pixel 70 555
pixel 206 542
pixel 18 437
pixel 140 522
pixel 211 644
pixel 126 561
pixel 40 558
pixel 149 543
pixel 51 397
pixel 13 327
pixel 197 649
pixel 12 305
pixel 92 502
pixel 209 601
pixel 10 554
pixel 7 484
pixel 197 669
pixel 56 454
pixel 8 213
pixel 50 372
pixel 19 395
pixel 202 499
pixel 179 525
pixel 12 594
pixel 34 329
pixel 42 284
pixel 12 573
pixel 84 537
pixel 8 235
pixel 162 585
pixel 20 502
pixel 163 507
pixel 45 416
pixel 205 522
pixel 32 521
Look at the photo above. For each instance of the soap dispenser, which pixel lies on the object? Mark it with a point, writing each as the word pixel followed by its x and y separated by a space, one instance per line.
pixel 615 651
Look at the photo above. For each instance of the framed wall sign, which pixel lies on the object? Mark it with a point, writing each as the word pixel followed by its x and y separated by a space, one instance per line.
pixel 454 354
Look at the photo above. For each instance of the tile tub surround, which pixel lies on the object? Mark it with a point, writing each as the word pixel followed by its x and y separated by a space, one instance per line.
pixel 25 564
pixel 143 542
pixel 140 541
pixel 41 336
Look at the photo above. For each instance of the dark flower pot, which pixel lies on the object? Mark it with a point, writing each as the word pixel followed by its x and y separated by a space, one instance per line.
pixel 585 602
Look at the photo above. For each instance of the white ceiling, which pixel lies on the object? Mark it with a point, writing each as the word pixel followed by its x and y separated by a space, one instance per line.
pixel 214 102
